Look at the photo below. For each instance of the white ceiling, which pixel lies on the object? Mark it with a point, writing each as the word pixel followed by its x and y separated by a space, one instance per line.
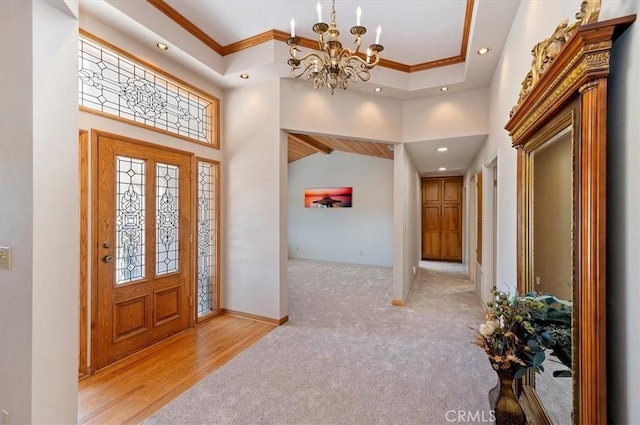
pixel 456 159
pixel 405 24
pixel 413 32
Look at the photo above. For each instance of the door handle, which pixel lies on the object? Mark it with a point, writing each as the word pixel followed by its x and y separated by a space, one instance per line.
pixel 107 259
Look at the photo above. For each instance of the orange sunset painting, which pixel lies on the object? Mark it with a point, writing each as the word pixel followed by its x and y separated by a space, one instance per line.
pixel 328 197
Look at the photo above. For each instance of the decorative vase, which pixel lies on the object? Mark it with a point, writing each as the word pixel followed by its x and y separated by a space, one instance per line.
pixel 507 408
pixel 493 395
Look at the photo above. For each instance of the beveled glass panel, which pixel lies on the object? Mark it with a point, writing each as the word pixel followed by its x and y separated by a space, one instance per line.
pixel 130 219
pixel 167 224
pixel 206 267
pixel 112 83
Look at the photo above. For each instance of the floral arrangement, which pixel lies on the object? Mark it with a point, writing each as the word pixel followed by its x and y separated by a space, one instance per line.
pixel 518 329
pixel 555 317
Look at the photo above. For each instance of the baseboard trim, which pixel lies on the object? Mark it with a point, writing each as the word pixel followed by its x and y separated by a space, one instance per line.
pixel 255 317
pixel 397 303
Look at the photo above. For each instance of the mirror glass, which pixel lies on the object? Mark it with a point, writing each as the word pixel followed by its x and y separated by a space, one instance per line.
pixel 552 262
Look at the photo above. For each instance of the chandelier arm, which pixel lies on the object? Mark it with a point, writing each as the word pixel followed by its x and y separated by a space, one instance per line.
pixel 356 71
pixel 363 62
pixel 354 68
pixel 345 55
pixel 307 73
pixel 309 66
pixel 321 41
pixel 327 56
pixel 311 55
pixel 373 61
pixel 292 51
pixel 332 65
pixel 357 42
pixel 374 58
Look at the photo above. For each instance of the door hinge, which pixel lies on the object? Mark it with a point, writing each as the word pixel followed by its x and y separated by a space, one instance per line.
pixel 191 238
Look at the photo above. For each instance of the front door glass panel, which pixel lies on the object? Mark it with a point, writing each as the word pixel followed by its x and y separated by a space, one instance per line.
pixel 130 219
pixel 167 226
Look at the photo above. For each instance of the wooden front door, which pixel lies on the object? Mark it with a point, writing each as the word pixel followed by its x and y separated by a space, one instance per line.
pixel 143 246
pixel 442 219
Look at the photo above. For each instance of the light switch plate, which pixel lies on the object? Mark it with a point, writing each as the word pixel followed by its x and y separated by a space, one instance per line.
pixel 5 257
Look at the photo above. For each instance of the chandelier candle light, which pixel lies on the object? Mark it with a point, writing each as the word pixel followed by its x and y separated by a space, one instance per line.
pixel 335 66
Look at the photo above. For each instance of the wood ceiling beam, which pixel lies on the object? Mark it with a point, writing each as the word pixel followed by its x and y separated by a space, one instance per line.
pixel 311 142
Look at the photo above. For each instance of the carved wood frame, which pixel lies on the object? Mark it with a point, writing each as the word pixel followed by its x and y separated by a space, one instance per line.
pixel 578 76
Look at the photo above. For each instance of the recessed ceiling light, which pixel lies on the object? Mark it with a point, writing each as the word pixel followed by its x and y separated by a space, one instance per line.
pixel 442 169
pixel 445 88
pixel 483 51
pixel 244 76
pixel 377 89
pixel 161 46
pixel 443 149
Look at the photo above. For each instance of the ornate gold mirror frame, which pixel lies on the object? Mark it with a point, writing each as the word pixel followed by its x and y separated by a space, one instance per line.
pixel 567 87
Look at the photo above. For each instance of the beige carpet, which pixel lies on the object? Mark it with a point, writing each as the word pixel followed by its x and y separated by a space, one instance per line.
pixel 348 357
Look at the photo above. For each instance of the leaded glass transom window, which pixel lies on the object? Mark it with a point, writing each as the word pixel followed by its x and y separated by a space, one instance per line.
pixel 167 242
pixel 206 238
pixel 114 84
pixel 130 219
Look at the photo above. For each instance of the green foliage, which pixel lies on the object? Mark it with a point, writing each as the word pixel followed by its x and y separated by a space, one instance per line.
pixel 518 330
pixel 554 320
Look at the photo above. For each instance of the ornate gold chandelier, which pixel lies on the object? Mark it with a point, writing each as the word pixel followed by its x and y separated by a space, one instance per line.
pixel 335 66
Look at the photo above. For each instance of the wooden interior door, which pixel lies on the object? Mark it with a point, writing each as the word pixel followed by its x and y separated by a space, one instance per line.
pixel 431 219
pixel 442 219
pixel 143 246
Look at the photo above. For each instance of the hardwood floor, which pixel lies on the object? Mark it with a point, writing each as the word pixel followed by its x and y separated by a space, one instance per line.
pixel 132 389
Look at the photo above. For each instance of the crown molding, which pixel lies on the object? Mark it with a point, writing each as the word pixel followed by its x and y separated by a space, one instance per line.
pixel 282 36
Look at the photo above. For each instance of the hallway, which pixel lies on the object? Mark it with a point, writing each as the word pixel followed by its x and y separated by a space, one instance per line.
pixel 349 357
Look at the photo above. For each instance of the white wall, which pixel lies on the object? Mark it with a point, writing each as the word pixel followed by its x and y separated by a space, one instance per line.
pixel 39 212
pixel 623 227
pixel 446 116
pixel 468 224
pixel 283 253
pixel 484 275
pixel 346 113
pixel 535 21
pixel 16 207
pixel 55 216
pixel 362 234
pixel 253 185
pixel 406 224
pixel 470 230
